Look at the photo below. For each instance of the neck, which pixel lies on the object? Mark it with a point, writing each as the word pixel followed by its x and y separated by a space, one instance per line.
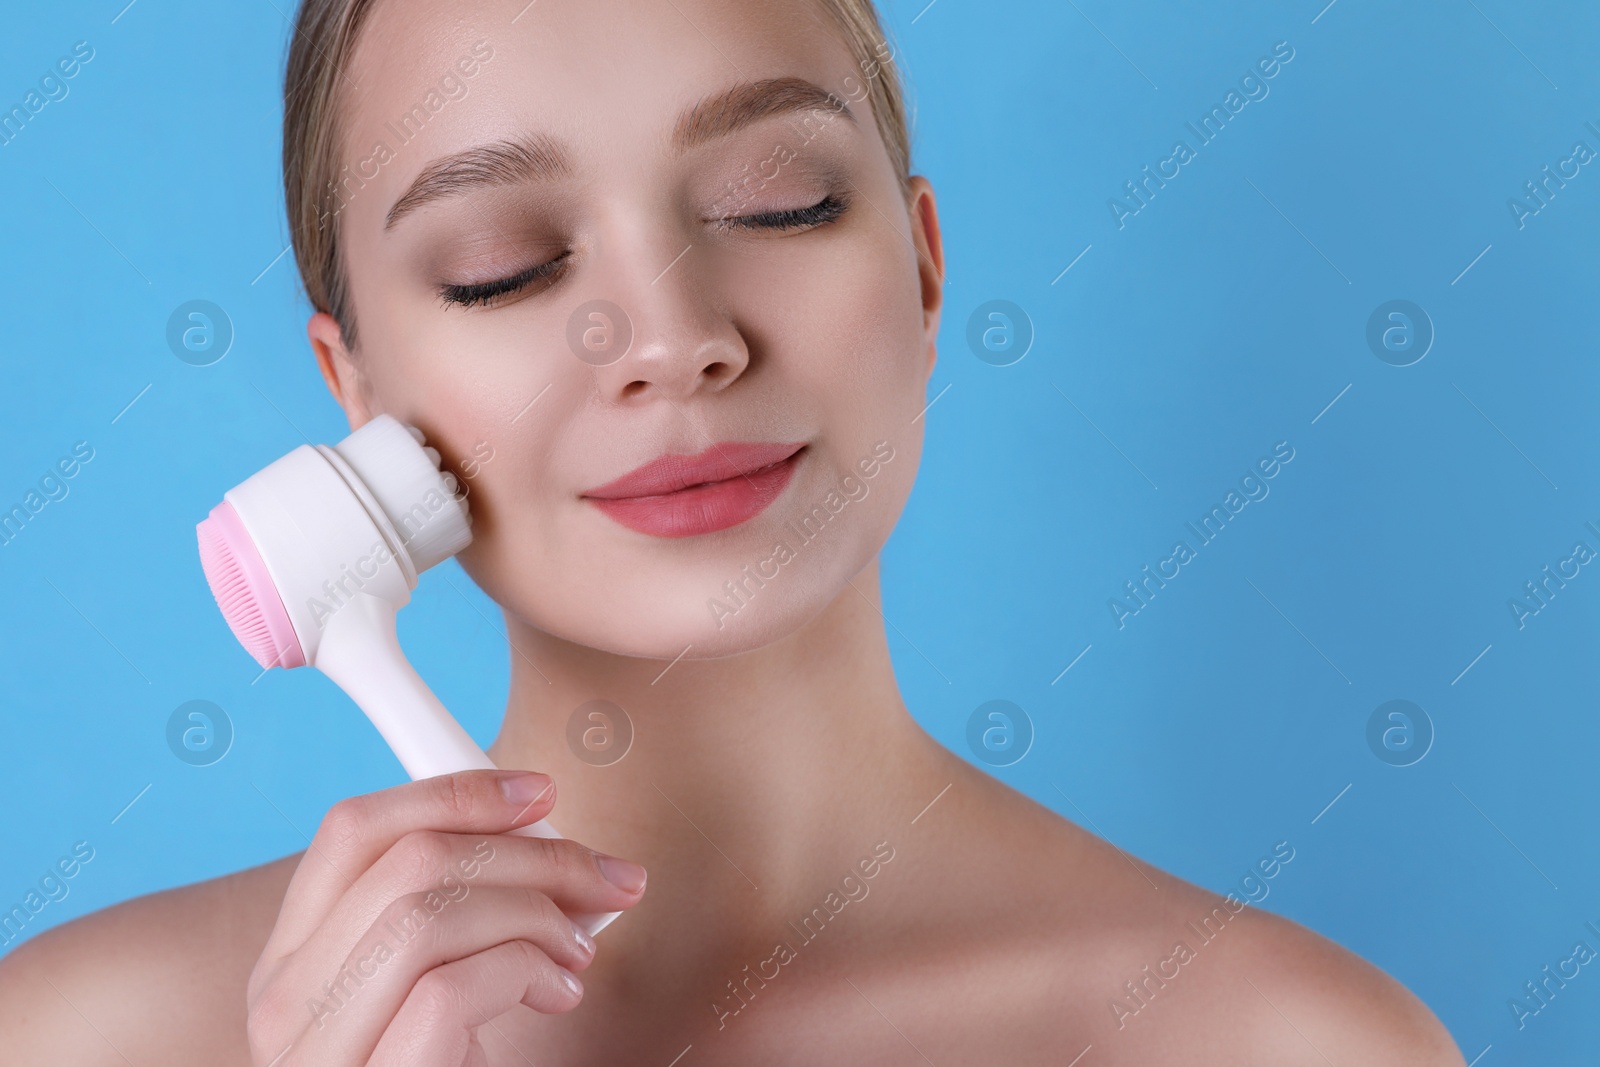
pixel 751 782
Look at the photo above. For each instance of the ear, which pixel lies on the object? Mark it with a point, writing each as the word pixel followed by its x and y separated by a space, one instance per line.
pixel 930 260
pixel 345 380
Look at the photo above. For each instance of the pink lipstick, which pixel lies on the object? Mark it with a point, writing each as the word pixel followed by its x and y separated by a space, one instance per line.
pixel 681 496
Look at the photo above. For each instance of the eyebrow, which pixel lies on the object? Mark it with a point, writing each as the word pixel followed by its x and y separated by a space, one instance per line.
pixel 737 107
pixel 537 157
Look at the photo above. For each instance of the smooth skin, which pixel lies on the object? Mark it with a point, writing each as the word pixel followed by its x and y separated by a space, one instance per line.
pixel 773 763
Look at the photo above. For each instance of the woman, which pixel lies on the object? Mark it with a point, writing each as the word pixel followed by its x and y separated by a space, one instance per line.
pixel 657 282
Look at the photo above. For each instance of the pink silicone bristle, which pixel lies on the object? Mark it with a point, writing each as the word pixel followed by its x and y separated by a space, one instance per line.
pixel 244 590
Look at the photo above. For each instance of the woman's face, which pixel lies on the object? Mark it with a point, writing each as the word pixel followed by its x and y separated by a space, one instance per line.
pixel 764 283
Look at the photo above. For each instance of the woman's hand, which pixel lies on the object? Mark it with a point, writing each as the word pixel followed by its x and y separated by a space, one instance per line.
pixel 411 921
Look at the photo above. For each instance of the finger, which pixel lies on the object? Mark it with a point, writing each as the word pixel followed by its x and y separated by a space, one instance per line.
pixel 437 1023
pixel 579 881
pixel 359 829
pixel 351 1006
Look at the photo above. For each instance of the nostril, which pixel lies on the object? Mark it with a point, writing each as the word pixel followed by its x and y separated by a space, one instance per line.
pixel 633 389
pixel 720 372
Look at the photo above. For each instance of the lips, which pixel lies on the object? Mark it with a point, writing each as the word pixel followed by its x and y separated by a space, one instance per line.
pixel 681 496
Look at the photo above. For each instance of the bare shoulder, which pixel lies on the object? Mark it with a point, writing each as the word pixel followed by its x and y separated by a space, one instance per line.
pixel 1099 948
pixel 1311 1000
pixel 156 979
pixel 1179 966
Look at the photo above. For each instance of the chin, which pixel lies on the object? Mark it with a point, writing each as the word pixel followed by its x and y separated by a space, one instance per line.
pixel 666 634
pixel 655 607
pixel 670 611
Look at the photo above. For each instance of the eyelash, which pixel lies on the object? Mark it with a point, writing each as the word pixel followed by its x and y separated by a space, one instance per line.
pixel 824 211
pixel 821 213
pixel 486 292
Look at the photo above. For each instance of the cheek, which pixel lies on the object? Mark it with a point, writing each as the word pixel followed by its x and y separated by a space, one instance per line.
pixel 876 328
pixel 520 464
pixel 477 384
pixel 842 320
pixel 874 351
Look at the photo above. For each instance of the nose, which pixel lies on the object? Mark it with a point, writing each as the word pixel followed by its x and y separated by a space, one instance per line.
pixel 684 340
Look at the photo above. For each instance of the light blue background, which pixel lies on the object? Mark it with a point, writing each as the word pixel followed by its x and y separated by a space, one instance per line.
pixel 1224 317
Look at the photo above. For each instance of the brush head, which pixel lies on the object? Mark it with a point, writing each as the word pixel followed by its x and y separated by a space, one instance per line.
pixel 403 475
pixel 290 545
pixel 244 590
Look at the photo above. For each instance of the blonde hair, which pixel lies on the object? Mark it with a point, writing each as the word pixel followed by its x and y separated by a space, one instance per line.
pixel 324 40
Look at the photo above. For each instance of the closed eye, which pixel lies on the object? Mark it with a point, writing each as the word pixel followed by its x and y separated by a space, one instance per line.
pixel 823 211
pixel 487 292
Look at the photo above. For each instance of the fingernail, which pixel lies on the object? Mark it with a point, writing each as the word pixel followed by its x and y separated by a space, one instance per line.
pixel 626 876
pixel 585 942
pixel 525 788
pixel 571 981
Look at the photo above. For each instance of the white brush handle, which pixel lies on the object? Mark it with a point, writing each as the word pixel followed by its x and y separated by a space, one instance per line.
pixel 360 651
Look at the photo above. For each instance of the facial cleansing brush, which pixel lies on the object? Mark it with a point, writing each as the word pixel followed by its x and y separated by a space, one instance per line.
pixel 310 559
